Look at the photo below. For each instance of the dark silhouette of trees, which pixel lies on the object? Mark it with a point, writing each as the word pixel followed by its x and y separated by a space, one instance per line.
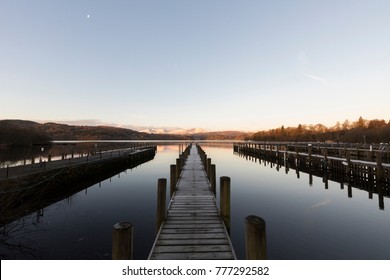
pixel 20 133
pixel 360 131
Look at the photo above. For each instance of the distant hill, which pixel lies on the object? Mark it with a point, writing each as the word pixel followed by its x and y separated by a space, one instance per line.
pixel 21 132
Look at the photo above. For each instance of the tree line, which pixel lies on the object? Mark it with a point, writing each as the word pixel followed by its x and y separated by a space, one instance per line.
pixel 359 131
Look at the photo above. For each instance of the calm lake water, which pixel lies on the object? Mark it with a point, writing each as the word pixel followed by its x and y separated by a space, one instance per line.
pixel 303 221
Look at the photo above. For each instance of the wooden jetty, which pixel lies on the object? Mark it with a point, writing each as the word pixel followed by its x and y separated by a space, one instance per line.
pixel 29 188
pixel 71 160
pixel 192 228
pixel 365 170
pixel 350 163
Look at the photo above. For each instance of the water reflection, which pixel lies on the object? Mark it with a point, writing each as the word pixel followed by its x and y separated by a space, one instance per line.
pixel 307 218
pixel 365 182
pixel 79 226
pixel 315 222
pixel 20 198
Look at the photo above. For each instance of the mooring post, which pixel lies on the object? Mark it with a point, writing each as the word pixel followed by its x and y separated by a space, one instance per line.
pixel 182 161
pixel 309 151
pixel 208 169
pixel 213 180
pixel 178 171
pixel 379 167
pixel 225 201
pixel 161 199
pixel 122 241
pixel 204 160
pixel 325 158
pixel 255 238
pixel 173 179
pixel 348 157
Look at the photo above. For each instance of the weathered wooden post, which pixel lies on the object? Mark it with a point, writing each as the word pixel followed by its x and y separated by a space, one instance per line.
pixel 255 238
pixel 370 153
pixel 325 159
pixel 309 151
pixel 208 168
pixel 173 179
pixel 204 160
pixel 225 201
pixel 379 167
pixel 182 161
pixel 213 180
pixel 161 201
pixel 348 157
pixel 122 241
pixel 178 171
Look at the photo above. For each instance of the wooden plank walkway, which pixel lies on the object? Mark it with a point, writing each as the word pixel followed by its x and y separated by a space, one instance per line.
pixel 35 168
pixel 193 228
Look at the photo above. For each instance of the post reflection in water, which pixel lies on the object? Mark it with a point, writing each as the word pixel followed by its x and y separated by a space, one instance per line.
pixel 364 182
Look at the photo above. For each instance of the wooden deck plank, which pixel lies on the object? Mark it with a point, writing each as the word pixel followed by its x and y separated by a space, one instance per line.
pixel 192 235
pixel 193 228
pixel 204 241
pixel 191 248
pixel 193 256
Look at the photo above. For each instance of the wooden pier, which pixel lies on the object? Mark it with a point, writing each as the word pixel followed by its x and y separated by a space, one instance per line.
pixel 363 169
pixel 192 228
pixel 349 163
pixel 29 188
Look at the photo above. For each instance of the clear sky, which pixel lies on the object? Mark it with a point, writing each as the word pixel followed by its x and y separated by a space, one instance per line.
pixel 214 64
